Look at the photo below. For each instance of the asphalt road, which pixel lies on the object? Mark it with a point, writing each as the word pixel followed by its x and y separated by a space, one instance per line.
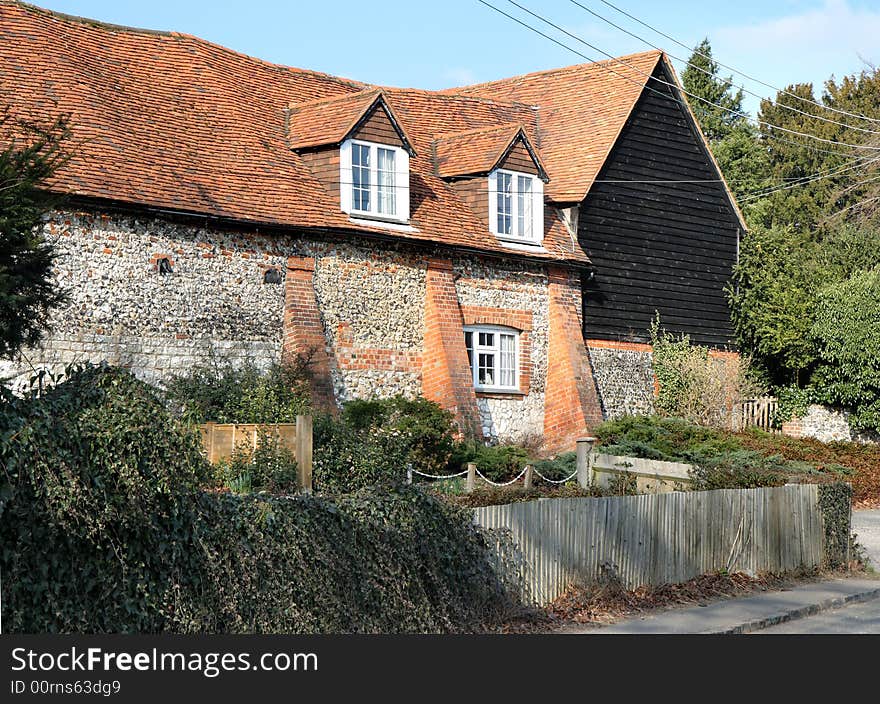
pixel 866 526
pixel 853 618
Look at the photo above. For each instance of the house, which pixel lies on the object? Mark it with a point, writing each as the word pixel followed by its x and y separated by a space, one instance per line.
pixel 499 248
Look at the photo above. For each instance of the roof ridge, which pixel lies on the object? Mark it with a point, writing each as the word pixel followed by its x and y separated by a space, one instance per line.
pixel 181 35
pixel 561 69
pixel 446 93
pixel 336 98
pixel 85 20
pixel 509 126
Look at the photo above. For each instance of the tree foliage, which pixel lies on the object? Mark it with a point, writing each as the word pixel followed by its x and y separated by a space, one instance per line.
pixel 718 107
pixel 845 332
pixel 30 154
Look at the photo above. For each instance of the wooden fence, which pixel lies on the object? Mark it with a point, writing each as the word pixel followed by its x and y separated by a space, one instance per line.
pixel 650 476
pixel 758 413
pixel 547 545
pixel 220 441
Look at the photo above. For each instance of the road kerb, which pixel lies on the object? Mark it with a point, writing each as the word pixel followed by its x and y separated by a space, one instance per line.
pixel 799 613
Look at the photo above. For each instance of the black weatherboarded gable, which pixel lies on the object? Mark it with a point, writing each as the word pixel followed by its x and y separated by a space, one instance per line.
pixel 664 247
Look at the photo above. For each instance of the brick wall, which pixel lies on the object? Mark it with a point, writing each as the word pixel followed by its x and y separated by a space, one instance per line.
pixel 303 331
pixel 446 374
pixel 571 405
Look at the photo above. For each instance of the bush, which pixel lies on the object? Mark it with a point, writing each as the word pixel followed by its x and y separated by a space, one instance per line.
pixel 848 348
pixel 559 467
pixel 418 430
pixel 95 499
pixel 104 529
pixel 694 385
pixel 270 467
pixel 720 459
pixel 222 393
pixel 497 462
pixel 376 441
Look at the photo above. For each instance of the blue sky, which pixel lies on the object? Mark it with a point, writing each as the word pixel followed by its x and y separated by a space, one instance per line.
pixel 442 44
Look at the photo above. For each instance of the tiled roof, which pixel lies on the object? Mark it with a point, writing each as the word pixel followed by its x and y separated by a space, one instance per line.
pixel 583 109
pixel 170 121
pixel 476 151
pixel 330 120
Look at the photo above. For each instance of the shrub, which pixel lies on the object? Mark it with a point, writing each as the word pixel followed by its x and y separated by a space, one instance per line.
pixel 559 467
pixel 223 393
pixel 497 462
pixel 94 495
pixel 848 348
pixel 418 431
pixel 720 459
pixel 377 440
pixel 104 529
pixel 694 385
pixel 271 466
pixel 793 402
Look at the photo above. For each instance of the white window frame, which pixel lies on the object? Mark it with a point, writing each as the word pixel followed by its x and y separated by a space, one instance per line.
pixel 401 182
pixel 495 349
pixel 536 237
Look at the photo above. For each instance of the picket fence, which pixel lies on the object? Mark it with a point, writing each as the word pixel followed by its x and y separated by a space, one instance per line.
pixel 545 546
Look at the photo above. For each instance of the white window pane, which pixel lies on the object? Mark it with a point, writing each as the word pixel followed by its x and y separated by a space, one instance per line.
pixel 507 365
pixel 360 173
pixel 386 181
pixel 486 369
pixel 505 203
pixel 524 206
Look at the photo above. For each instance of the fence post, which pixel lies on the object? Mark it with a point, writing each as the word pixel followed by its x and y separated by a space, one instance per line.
pixel 585 462
pixel 409 473
pixel 527 481
pixel 304 452
pixel 471 478
pixel 208 429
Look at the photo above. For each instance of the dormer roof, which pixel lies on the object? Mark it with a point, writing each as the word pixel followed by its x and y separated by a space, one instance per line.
pixel 330 121
pixel 479 151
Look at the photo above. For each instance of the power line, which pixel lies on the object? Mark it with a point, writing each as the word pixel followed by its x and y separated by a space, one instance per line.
pixel 736 71
pixel 744 116
pixel 806 179
pixel 709 73
pixel 647 87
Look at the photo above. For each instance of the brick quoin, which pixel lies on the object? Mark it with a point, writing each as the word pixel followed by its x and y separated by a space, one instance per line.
pixel 303 331
pixel 571 401
pixel 446 374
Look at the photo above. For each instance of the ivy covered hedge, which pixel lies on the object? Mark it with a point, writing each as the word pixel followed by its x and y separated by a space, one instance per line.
pixel 104 527
pixel 835 504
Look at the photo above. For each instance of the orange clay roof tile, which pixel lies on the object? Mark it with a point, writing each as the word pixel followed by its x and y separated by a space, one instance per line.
pixel 477 151
pixel 583 108
pixel 170 121
pixel 330 120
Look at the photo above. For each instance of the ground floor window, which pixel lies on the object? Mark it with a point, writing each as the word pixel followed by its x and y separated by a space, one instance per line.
pixel 493 353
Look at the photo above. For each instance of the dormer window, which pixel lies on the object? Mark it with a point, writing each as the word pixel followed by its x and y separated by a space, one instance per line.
pixel 374 180
pixel 516 206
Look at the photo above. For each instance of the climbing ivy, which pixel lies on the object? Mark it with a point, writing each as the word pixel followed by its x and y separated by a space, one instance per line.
pixel 105 528
pixel 835 504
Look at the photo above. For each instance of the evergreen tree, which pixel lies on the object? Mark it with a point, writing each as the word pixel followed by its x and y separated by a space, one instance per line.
pixel 720 110
pixel 29 155
pixel 734 142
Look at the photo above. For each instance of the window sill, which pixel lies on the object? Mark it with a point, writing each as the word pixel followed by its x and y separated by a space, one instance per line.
pixel 513 394
pixel 377 220
pixel 522 245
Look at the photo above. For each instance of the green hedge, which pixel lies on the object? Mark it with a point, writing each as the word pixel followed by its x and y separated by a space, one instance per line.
pixel 835 504
pixel 104 528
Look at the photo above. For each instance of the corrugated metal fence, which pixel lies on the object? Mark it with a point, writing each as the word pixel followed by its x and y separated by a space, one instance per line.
pixel 655 539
